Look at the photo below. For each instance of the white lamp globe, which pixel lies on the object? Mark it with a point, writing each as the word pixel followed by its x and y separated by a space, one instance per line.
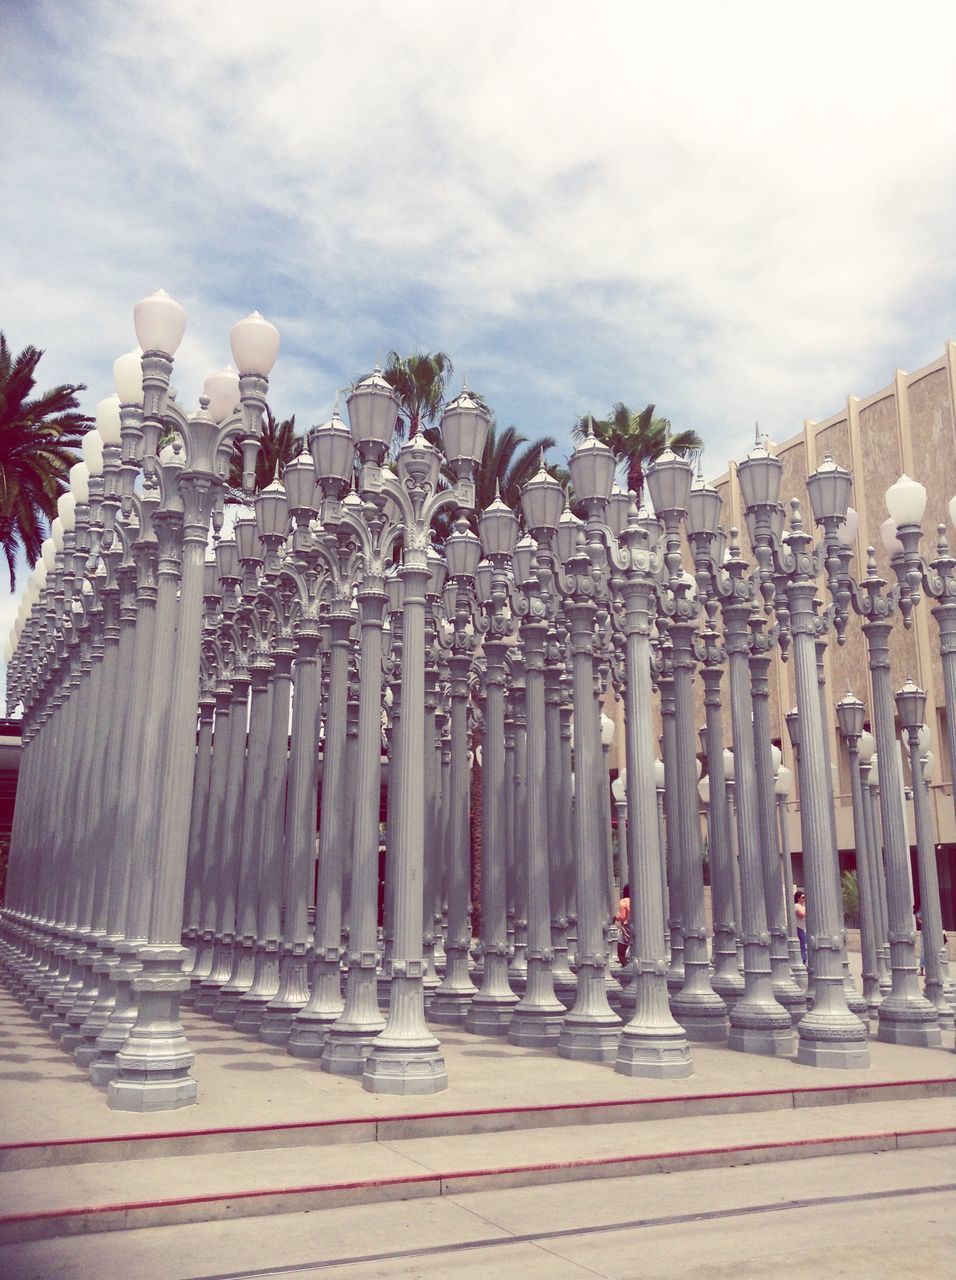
pixel 56 533
pixel 80 481
pixel 48 552
pixel 659 774
pixel 66 509
pixel 783 782
pixel 906 500
pixel 92 449
pixel 776 755
pixel 608 728
pixel 255 344
pixel 703 789
pixel 108 414
pixel 890 538
pixel 222 388
pixel 619 787
pixel 847 529
pixel 128 377
pixel 160 323
pixel 867 746
pixel 728 764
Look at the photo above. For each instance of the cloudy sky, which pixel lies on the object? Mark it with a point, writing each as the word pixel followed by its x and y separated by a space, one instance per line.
pixel 739 211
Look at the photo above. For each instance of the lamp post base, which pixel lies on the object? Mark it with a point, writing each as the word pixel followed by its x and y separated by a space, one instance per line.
pixel 490 1015
pixel 402 1069
pixel 537 1028
pixel 153 1066
pixel 837 1040
pixel 450 1007
pixel 589 1040
pixel 703 1018
pixel 654 1053
pixel 773 1042
pixel 346 1051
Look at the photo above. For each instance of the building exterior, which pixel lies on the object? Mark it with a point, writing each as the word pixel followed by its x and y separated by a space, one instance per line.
pixel 907 426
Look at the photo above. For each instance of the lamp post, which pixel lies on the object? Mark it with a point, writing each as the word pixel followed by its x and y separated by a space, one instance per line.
pixel 759 1022
pixel 906 1016
pixel 851 714
pixel 783 783
pixel 491 1009
pixel 452 998
pixel 911 708
pixel 830 1034
pixel 406 1058
pixel 153 1066
pixel 697 1006
pixel 906 504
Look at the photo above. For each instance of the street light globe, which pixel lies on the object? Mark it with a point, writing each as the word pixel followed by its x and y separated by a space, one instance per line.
pixel 619 787
pixel 92 450
pixel 80 481
pixel 848 528
pixel 108 415
pixel 829 488
pixel 160 323
pixel 255 344
pixel 66 509
pixel 783 783
pixel 608 729
pixel 592 466
pixel 128 377
pixel 48 552
pixel 906 500
pixel 542 501
pixel 56 533
pixel 222 391
pixel 729 764
pixel 867 747
pixel 776 755
pixel 889 537
pixel 703 790
pixel 659 774
pixel 568 537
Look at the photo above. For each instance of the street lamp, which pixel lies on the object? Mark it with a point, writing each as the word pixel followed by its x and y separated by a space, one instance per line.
pixel 851 717
pixel 830 1034
pixel 911 708
pixel 906 1017
pixel 697 1006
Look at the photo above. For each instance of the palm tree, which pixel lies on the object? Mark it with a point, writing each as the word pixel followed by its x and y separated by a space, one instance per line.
pixel 278 445
pixel 419 382
pixel 506 466
pixel 636 439
pixel 37 442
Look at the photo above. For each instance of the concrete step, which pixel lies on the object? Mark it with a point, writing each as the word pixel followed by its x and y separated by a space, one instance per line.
pixel 46 1153
pixel 112 1194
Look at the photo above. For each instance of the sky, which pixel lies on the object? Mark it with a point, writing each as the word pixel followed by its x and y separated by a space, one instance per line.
pixel 739 212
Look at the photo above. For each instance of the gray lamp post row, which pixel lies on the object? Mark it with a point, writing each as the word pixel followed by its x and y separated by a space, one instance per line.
pixel 210 838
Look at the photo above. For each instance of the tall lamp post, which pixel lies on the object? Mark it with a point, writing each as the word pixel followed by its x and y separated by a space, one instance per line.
pixel 906 1016
pixel 851 715
pixel 759 1023
pixel 697 1006
pixel 911 707
pixel 406 1058
pixel 830 1034
pixel 153 1066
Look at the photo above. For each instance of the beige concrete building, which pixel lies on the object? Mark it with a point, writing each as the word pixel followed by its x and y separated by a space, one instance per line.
pixel 907 426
